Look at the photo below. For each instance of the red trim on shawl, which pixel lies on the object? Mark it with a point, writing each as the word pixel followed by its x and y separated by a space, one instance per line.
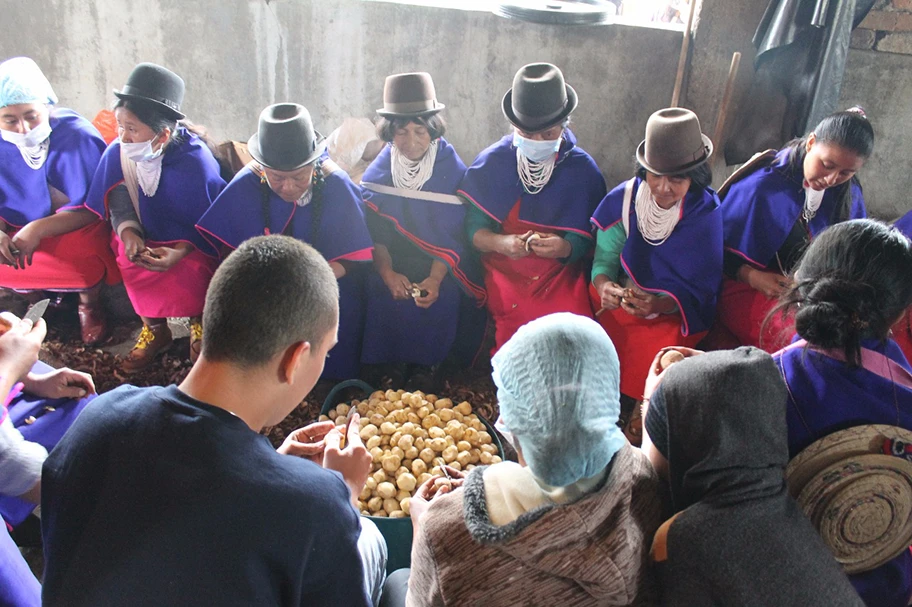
pixel 447 256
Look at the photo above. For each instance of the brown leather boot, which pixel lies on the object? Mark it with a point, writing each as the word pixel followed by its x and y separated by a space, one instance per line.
pixel 92 323
pixel 151 342
pixel 196 339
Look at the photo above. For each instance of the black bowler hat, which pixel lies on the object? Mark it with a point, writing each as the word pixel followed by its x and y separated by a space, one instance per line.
pixel 539 98
pixel 286 139
pixel 156 85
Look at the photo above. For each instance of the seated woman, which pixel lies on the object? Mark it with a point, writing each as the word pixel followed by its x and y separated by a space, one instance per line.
pixel 40 405
pixel 717 424
pixel 774 207
pixel 154 184
pixel 902 331
pixel 48 156
pixel 424 268
pixel 658 257
pixel 520 524
pixel 294 189
pixel 532 195
pixel 852 285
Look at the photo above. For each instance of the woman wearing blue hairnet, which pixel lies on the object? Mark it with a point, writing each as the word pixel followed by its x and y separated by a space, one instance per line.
pixel 48 156
pixel 571 523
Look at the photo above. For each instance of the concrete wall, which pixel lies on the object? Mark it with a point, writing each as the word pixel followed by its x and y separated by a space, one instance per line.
pixel 880 80
pixel 238 56
pixel 332 56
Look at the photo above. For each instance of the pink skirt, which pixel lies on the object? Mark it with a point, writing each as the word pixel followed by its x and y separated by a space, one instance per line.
pixel 75 261
pixel 179 292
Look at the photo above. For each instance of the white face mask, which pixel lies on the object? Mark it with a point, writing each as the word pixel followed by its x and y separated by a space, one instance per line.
pixel 32 139
pixel 536 151
pixel 141 152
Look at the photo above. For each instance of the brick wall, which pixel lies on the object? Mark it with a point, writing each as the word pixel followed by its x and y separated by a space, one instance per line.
pixel 887 28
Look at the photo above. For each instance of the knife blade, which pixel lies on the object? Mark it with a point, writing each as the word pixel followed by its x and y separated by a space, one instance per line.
pixel 37 311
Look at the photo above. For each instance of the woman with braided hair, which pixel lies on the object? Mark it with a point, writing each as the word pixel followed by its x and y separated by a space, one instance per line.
pixel 844 370
pixel 293 188
pixel 153 184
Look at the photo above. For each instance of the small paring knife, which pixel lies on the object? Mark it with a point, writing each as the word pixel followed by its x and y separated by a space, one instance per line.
pixel 37 311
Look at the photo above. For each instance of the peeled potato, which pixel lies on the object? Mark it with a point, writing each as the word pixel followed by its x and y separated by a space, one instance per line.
pixel 390 462
pixel 386 490
pixel 407 482
pixel 450 453
pixel 427 455
pixel 419 467
pixel 398 514
pixel 375 504
pixel 464 407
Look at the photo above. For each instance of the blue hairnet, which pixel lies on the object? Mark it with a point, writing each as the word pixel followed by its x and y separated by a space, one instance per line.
pixel 22 81
pixel 558 384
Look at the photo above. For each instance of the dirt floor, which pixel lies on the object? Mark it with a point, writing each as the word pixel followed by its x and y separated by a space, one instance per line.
pixel 63 347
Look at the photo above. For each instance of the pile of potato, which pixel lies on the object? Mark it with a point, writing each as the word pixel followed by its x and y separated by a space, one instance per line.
pixel 410 435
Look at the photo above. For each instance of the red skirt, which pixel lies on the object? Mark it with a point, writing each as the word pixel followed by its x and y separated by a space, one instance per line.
pixel 902 334
pixel 176 293
pixel 521 290
pixel 743 310
pixel 637 341
pixel 74 261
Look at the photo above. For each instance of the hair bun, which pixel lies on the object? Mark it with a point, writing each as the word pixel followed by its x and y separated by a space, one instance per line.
pixel 833 310
pixel 857 109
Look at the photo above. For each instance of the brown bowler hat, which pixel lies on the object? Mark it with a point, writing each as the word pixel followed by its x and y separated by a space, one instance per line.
pixel 539 98
pixel 674 142
pixel 286 139
pixel 409 95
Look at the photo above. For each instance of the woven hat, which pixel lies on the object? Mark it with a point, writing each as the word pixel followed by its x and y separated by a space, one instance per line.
pixel 856 488
pixel 156 85
pixel 409 95
pixel 674 143
pixel 286 139
pixel 539 98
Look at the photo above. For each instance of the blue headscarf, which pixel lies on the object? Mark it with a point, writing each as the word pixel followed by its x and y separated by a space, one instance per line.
pixel 22 81
pixel 558 382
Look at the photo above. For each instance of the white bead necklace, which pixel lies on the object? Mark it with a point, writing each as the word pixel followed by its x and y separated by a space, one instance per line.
pixel 412 174
pixel 534 175
pixel 812 201
pixel 655 223
pixel 35 156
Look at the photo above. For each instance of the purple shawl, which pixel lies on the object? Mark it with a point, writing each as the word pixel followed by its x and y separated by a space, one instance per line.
pixel 826 396
pixel 237 215
pixel 904 224
pixel 672 268
pixel 566 203
pixel 434 228
pixel 189 182
pixel 73 154
pixel 759 211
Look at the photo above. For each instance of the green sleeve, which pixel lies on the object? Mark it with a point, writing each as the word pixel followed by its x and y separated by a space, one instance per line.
pixel 608 247
pixel 476 219
pixel 580 246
